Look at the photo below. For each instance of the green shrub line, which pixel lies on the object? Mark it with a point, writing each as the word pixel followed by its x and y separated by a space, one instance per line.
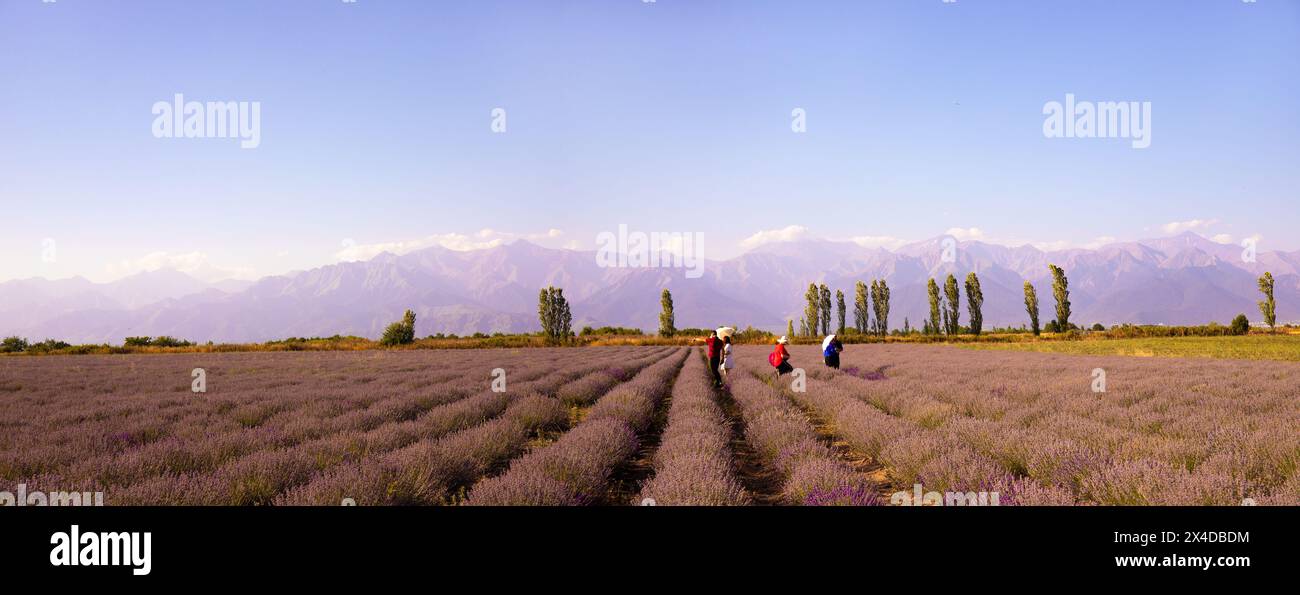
pixel 17 346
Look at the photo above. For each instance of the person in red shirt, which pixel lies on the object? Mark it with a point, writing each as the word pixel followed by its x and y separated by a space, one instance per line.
pixel 780 357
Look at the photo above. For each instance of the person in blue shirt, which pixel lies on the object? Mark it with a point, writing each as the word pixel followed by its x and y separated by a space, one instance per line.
pixel 831 349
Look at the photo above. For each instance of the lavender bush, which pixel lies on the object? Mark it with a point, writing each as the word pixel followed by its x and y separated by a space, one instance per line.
pixel 129 426
pixel 1166 432
pixel 422 427
pixel 573 471
pixel 693 464
pixel 786 440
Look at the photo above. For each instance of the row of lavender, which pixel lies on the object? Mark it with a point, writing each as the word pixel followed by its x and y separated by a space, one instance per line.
pixel 575 469
pixel 433 471
pixel 693 465
pixel 914 453
pixel 422 428
pixel 1163 432
pixel 106 413
pixel 197 449
pixel 436 469
pixel 262 477
pixel 808 471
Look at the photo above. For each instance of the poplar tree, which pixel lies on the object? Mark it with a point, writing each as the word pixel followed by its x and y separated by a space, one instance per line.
pixel 841 310
pixel 880 297
pixel 812 310
pixel 553 312
pixel 935 303
pixel 825 309
pixel 1031 306
pixel 667 318
pixel 1268 307
pixel 1061 291
pixel 861 309
pixel 974 303
pixel 875 306
pixel 953 311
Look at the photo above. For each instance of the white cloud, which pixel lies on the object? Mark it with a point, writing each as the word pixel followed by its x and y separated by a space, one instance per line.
pixel 1223 238
pixel 1099 242
pixel 1176 227
pixel 891 243
pixel 964 234
pixel 767 236
pixel 1053 246
pixel 1092 244
pixel 484 238
pixel 886 242
pixel 194 264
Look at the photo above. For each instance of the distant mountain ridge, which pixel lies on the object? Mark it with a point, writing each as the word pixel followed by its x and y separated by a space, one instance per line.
pixel 1184 279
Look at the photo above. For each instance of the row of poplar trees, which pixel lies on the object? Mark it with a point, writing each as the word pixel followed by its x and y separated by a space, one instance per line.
pixel 870 310
pixel 871 307
pixel 945 307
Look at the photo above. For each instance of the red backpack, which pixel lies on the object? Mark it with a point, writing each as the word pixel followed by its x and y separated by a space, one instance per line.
pixel 775 358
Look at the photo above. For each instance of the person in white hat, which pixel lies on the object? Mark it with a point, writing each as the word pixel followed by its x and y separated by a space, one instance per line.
pixel 780 357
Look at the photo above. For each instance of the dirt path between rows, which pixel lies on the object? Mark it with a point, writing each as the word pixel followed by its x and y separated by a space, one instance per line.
pixel 624 486
pixel 826 434
pixel 859 462
pixel 758 479
pixel 540 439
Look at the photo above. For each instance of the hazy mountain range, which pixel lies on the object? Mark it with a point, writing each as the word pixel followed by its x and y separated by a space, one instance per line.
pixel 1185 279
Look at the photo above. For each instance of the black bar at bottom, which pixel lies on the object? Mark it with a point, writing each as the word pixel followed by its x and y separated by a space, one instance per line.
pixel 516 543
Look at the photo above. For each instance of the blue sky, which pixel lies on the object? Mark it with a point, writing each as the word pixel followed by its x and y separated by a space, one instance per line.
pixel 922 117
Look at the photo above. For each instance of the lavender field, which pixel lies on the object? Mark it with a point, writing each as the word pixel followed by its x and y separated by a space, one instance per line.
pixel 633 425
